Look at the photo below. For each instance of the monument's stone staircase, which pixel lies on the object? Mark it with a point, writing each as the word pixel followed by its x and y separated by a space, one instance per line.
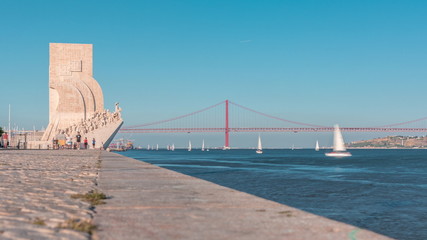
pixel 103 136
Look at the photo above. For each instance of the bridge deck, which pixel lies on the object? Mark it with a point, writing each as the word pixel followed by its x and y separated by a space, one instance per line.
pixel 325 129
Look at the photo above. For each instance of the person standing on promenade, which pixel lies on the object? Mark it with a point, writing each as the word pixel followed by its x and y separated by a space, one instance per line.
pixel 79 139
pixel 85 142
pixel 4 139
pixel 55 143
pixel 93 143
pixel 69 142
pixel 61 139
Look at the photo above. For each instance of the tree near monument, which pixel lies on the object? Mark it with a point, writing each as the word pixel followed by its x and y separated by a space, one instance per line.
pixel 1 131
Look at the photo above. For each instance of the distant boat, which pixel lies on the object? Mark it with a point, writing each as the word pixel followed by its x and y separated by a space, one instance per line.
pixel 203 145
pixel 148 147
pixel 173 147
pixel 168 147
pixel 259 148
pixel 317 146
pixel 293 147
pixel 189 146
pixel 157 147
pixel 339 147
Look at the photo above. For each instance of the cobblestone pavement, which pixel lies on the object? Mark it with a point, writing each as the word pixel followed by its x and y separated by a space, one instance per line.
pixel 36 188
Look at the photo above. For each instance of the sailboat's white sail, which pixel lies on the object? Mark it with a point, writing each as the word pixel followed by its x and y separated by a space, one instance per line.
pixel 338 140
pixel 173 147
pixel 189 146
pixel 339 147
pixel 317 146
pixel 259 148
pixel 157 147
pixel 203 145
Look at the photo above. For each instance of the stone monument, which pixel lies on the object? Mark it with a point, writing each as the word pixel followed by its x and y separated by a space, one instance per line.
pixel 76 102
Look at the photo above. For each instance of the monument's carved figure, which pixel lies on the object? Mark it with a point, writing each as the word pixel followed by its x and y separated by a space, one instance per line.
pixel 76 102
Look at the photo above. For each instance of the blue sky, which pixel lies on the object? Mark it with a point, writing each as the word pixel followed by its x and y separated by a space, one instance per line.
pixel 357 63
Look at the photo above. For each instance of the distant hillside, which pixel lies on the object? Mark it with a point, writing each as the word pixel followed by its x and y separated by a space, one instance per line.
pixel 392 142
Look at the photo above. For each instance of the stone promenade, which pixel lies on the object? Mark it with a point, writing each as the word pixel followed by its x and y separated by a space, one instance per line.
pixel 146 202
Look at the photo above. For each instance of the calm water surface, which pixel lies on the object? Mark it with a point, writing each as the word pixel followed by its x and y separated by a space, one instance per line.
pixel 381 190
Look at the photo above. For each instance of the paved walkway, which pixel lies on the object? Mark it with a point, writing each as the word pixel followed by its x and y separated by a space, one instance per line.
pixel 149 202
pixel 36 188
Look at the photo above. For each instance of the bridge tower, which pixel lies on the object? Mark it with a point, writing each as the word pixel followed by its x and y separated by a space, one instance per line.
pixel 227 130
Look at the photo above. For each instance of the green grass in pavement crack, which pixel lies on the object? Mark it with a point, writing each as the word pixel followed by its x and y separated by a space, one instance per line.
pixel 92 197
pixel 39 221
pixel 78 225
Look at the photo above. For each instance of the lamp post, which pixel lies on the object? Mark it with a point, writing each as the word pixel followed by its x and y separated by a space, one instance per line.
pixel 10 131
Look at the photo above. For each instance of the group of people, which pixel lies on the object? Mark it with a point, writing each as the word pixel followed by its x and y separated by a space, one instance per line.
pixel 4 140
pixel 63 140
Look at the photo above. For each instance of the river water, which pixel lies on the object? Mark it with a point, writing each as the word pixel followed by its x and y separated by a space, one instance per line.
pixel 381 190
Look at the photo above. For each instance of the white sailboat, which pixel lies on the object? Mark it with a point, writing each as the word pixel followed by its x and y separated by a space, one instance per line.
pixel 259 148
pixel 148 147
pixel 203 145
pixel 157 147
pixel 317 146
pixel 173 147
pixel 339 147
pixel 189 146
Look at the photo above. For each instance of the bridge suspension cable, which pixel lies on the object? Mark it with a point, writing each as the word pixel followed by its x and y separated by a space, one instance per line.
pixel 402 123
pixel 176 118
pixel 277 118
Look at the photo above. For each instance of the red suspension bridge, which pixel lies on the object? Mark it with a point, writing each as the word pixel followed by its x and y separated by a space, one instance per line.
pixel 221 122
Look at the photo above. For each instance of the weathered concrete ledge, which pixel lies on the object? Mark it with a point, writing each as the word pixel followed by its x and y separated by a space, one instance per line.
pixel 149 202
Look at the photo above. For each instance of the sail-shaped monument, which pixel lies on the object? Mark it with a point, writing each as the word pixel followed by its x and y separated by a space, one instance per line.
pixel 76 101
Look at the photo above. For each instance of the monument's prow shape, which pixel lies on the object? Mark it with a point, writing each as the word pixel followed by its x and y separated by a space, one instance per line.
pixel 76 102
